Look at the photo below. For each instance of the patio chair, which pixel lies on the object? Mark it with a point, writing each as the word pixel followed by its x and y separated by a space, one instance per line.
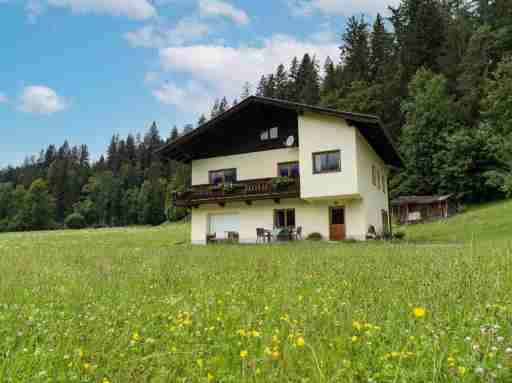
pixel 210 238
pixel 297 234
pixel 261 234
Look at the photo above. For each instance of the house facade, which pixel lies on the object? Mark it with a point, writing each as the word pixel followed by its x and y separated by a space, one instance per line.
pixel 271 164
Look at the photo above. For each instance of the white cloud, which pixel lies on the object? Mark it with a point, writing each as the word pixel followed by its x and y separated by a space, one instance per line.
pixel 222 71
pixel 38 99
pixel 340 7
pixel 192 97
pixel 159 36
pixel 136 9
pixel 3 99
pixel 215 8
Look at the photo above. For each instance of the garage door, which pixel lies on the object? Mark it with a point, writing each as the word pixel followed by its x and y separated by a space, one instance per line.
pixel 222 223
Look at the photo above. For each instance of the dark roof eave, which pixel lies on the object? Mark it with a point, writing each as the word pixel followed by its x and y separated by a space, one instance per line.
pixel 299 108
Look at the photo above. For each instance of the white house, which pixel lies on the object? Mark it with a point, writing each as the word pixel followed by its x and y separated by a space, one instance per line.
pixel 269 164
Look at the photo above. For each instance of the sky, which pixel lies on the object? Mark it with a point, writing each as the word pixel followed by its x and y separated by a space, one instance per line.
pixel 83 70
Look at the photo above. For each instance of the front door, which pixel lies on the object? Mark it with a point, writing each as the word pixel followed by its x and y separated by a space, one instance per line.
pixel 337 223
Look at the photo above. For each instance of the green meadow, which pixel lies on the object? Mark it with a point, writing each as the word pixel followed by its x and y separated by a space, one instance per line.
pixel 141 305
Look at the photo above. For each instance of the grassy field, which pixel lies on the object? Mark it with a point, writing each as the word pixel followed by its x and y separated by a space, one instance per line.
pixel 133 305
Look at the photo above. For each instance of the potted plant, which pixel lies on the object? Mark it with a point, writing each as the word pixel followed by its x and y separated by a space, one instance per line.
pixel 231 188
pixel 281 183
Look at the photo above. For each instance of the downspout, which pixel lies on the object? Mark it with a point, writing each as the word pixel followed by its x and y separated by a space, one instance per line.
pixel 390 213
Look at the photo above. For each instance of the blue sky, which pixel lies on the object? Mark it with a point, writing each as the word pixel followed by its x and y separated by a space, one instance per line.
pixel 83 70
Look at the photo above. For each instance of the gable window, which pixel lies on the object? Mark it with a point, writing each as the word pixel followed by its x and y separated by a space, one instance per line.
pixel 224 176
pixel 288 169
pixel 327 162
pixel 270 134
pixel 284 218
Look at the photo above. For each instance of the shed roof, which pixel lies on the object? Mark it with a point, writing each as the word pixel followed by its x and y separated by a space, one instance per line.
pixel 420 200
pixel 370 126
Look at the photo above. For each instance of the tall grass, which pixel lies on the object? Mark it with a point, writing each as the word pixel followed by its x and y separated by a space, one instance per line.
pixel 133 305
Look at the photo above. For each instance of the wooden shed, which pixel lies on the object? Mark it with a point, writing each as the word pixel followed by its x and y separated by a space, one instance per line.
pixel 416 209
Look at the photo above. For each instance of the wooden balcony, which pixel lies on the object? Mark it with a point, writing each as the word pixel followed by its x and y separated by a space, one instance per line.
pixel 248 191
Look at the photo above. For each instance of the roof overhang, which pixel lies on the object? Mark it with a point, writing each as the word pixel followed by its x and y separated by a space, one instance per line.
pixel 369 126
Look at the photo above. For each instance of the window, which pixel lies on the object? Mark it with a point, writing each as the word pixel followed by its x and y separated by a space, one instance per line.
pixel 374 176
pixel 288 169
pixel 337 216
pixel 284 218
pixel 270 134
pixel 378 179
pixel 222 176
pixel 327 162
pixel 383 184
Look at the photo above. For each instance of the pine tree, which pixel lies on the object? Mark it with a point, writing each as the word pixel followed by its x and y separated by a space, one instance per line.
pixel 355 51
pixel 246 91
pixel 202 120
pixel 381 44
pixel 330 83
pixel 260 90
pixel 174 134
pixel 223 105
pixel 281 83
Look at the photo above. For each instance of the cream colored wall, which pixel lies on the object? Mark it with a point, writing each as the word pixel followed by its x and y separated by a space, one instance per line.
pixel 375 199
pixel 318 133
pixel 351 188
pixel 313 217
pixel 249 165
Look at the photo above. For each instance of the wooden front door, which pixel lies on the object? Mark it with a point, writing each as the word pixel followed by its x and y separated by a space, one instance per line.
pixel 337 223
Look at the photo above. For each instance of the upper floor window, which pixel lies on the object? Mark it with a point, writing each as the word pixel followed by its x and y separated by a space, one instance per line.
pixel 224 176
pixel 270 134
pixel 327 162
pixel 288 169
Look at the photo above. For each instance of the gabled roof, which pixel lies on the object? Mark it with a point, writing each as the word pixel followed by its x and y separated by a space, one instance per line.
pixel 369 126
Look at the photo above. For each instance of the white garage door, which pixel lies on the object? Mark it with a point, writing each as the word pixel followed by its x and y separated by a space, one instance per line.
pixel 221 223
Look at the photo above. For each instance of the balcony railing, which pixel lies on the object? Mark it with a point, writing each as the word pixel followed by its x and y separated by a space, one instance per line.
pixel 252 190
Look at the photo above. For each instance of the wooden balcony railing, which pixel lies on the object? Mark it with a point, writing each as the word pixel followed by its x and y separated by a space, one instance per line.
pixel 258 189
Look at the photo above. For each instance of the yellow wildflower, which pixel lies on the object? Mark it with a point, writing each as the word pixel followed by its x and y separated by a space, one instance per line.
pixel 210 377
pixel 241 332
pixel 255 334
pixel 275 354
pixel 354 339
pixel 419 312
pixel 105 380
pixel 244 354
pixel 357 325
pixel 87 366
pixel 300 342
pixel 462 370
pixel 80 354
pixel 136 337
